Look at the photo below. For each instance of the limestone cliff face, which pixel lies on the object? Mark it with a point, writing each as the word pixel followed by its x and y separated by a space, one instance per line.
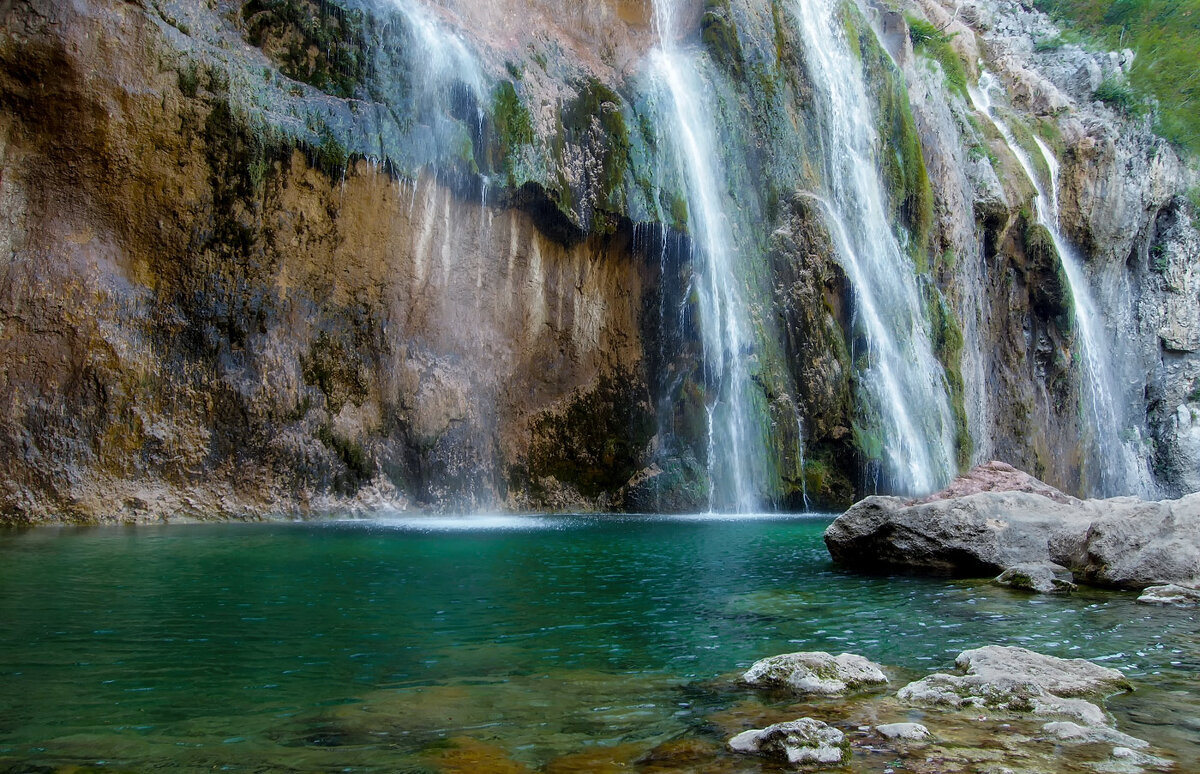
pixel 281 257
pixel 1121 205
pixel 205 321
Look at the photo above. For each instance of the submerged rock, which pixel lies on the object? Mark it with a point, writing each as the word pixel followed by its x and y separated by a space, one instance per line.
pixel 999 664
pixel 1170 594
pixel 1126 760
pixel 815 672
pixel 1121 542
pixel 803 741
pixel 1019 680
pixel 1073 733
pixel 1042 577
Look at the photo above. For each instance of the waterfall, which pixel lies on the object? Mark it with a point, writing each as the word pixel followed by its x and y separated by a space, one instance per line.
pixel 904 411
pixel 1119 468
pixel 736 444
pixel 445 93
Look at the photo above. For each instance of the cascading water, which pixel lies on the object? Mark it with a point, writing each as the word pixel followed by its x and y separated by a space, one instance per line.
pixel 445 91
pixel 737 447
pixel 902 388
pixel 1119 469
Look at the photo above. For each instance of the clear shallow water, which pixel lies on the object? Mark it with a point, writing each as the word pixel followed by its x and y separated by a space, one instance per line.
pixel 364 645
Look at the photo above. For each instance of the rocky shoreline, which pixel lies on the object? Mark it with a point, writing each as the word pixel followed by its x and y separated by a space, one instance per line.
pixel 1003 709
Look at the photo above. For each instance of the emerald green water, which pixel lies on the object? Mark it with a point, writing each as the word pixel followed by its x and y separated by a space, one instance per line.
pixel 363 645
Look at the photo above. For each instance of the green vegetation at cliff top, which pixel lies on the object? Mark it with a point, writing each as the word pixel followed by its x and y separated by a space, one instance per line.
pixel 1165 34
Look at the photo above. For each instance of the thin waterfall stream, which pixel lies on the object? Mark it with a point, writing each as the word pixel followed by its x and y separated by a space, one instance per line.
pixel 1118 469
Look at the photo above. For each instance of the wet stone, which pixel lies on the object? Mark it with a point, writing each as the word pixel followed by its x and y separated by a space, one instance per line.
pixel 815 672
pixel 909 732
pixel 803 741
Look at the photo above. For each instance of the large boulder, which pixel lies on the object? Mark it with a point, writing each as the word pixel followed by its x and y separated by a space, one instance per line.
pixel 976 527
pixel 1134 544
pixel 975 535
pixel 815 672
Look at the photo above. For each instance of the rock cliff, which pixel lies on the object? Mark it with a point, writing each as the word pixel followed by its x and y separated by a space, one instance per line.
pixel 287 257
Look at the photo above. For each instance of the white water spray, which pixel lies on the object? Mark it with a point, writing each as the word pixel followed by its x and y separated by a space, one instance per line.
pixel 736 444
pixel 902 385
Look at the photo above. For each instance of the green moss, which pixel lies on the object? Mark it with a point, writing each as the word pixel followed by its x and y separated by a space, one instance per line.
pixel 948 346
pixel 850 29
pixel 932 42
pixel 780 35
pixel 314 41
pixel 677 208
pixel 330 154
pixel 1049 288
pixel 189 79
pixel 826 483
pixel 511 122
pixel 598 102
pixel 357 466
pixel 720 37
pixel 597 441
pixel 1025 138
pixel 867 440
pixel 902 162
pixel 329 367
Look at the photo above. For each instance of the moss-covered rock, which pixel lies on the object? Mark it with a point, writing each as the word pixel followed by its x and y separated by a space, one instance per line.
pixel 598 440
pixel 320 43
pixel 903 171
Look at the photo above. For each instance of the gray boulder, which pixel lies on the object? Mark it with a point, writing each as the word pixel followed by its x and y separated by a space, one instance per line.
pixel 1134 544
pixel 975 535
pixel 975 528
pixel 1042 577
pixel 803 741
pixel 999 664
pixel 815 672
pixel 1019 680
pixel 1072 733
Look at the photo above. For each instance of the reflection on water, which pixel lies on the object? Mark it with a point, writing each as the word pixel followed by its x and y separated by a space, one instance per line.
pixel 493 643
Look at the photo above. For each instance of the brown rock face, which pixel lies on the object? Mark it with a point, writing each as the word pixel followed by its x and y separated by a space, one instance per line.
pixel 199 323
